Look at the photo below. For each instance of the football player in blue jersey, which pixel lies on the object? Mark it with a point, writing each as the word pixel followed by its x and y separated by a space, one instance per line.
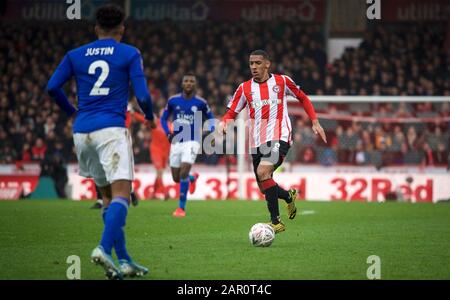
pixel 103 70
pixel 187 111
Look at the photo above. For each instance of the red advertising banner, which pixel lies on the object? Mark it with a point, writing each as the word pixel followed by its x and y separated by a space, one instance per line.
pixel 314 186
pixel 10 193
pixel 415 10
pixel 12 186
pixel 248 10
pixel 47 10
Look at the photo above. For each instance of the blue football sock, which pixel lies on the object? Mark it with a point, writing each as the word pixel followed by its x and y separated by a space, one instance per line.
pixel 191 178
pixel 114 219
pixel 184 186
pixel 119 244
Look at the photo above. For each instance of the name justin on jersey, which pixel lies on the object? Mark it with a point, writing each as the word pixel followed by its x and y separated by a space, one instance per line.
pixel 99 51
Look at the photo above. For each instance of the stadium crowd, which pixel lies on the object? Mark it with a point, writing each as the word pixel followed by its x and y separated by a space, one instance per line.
pixel 390 61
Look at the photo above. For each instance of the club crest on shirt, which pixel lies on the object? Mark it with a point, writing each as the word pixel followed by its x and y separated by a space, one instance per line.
pixel 194 108
pixel 276 88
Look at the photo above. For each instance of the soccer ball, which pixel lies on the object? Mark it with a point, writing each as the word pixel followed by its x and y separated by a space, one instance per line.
pixel 261 235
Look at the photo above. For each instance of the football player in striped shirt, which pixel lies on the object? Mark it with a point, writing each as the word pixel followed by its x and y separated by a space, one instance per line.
pixel 270 130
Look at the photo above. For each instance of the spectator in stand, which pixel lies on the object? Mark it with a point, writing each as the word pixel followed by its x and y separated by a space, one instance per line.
pixel 38 150
pixel 295 150
pixel 441 155
pixel 403 111
pixel 7 154
pixel 428 158
pixel 352 141
pixel 26 153
pixel 342 153
pixel 308 156
pixel 328 156
pixel 436 138
pixel 386 63
pixel 411 138
pixel 361 156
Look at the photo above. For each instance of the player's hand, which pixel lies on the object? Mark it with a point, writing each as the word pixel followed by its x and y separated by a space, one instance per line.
pixel 150 123
pixel 317 129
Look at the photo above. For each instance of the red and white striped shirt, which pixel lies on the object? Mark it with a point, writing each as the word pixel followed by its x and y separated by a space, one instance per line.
pixel 267 108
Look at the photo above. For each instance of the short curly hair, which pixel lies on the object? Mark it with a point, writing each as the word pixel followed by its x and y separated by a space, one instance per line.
pixel 109 16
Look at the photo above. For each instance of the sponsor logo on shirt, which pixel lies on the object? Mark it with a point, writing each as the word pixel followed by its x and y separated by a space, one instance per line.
pixel 260 103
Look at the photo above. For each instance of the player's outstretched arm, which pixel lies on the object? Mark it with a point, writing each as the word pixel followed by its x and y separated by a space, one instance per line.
pixel 54 87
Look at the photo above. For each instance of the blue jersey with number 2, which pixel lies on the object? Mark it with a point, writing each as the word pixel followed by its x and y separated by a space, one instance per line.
pixel 103 70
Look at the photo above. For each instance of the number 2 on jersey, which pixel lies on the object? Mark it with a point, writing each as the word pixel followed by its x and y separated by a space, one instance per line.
pixel 97 90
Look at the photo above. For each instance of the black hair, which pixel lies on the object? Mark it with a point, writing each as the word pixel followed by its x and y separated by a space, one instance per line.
pixel 263 53
pixel 109 16
pixel 190 73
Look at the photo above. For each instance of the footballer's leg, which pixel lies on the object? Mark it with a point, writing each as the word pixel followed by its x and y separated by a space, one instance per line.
pixel 193 182
pixel 128 267
pixel 175 167
pixel 175 174
pixel 117 160
pixel 114 216
pixel 158 186
pixel 133 197
pixel 184 187
pixel 179 211
pixel 99 203
pixel 270 188
pixel 289 196
pixel 188 156
pixel 99 256
pixel 90 166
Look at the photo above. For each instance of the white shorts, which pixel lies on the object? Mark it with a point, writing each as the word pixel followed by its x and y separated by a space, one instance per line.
pixel 105 155
pixel 184 152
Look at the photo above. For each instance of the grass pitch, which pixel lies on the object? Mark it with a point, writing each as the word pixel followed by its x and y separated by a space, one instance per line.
pixel 325 241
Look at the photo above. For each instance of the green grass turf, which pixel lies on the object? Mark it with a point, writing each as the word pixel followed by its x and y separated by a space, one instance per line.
pixel 412 240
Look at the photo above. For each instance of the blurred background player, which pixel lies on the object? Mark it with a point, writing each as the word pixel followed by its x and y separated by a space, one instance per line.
pixel 185 109
pixel 103 70
pixel 270 128
pixel 159 153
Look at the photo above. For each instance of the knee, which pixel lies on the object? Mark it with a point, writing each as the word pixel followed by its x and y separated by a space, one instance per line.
pixel 176 179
